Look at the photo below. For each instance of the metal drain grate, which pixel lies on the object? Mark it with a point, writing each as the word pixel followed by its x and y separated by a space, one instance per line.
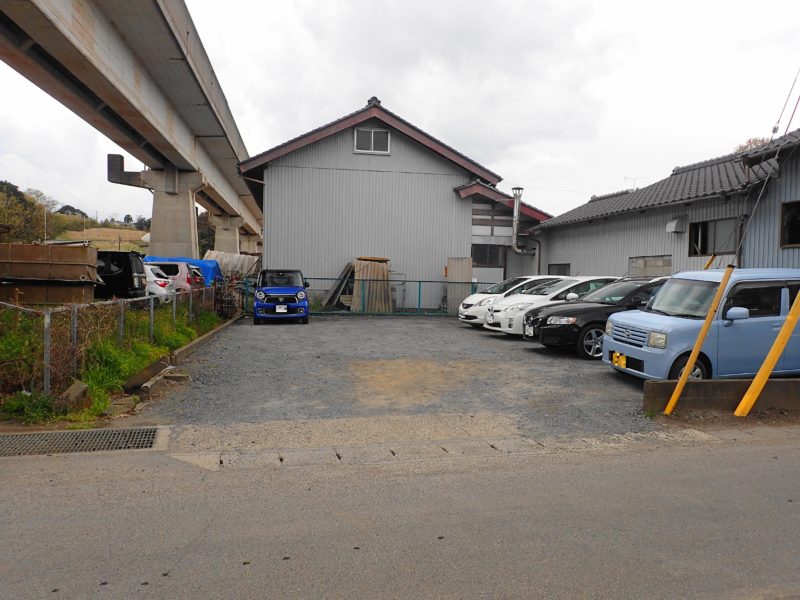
pixel 88 440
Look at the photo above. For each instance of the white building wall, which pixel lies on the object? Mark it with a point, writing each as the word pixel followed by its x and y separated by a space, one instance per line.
pixel 604 247
pixel 325 205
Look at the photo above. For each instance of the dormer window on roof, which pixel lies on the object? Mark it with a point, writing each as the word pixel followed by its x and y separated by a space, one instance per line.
pixel 372 141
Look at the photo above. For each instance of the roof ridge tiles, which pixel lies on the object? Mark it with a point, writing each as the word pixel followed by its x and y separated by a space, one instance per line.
pixel 732 157
pixel 611 195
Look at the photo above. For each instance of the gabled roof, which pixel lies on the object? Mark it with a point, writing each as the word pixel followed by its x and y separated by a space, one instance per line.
pixel 478 188
pixel 711 178
pixel 373 110
pixel 782 144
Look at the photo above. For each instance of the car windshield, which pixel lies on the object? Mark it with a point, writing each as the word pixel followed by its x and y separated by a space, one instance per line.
pixel 550 287
pixel 684 298
pixel 503 286
pixel 280 279
pixel 158 273
pixel 613 292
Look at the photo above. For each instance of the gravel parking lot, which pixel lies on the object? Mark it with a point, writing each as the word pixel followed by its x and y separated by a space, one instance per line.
pixel 339 368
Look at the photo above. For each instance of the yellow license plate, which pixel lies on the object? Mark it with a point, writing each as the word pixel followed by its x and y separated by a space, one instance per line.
pixel 619 360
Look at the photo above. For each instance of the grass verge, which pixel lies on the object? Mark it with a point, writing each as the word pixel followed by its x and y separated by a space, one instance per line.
pixel 107 362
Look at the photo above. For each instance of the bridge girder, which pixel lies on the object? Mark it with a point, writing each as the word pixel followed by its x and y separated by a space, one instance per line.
pixel 80 56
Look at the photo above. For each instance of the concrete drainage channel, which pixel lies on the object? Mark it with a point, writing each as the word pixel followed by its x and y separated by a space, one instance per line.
pixel 84 440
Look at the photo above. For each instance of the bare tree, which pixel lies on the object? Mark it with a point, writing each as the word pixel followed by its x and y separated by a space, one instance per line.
pixel 751 144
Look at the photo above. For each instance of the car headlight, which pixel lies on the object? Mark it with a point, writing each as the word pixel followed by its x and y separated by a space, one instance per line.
pixel 301 295
pixel 657 340
pixel 561 320
pixel 260 295
pixel 609 327
pixel 520 307
pixel 486 301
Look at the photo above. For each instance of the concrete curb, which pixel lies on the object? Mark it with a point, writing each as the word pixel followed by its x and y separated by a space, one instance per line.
pixel 149 378
pixel 181 353
pixel 721 395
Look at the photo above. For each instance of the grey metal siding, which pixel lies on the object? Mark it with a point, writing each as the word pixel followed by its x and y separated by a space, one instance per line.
pixel 604 247
pixel 487 275
pixel 326 205
pixel 762 246
pixel 519 264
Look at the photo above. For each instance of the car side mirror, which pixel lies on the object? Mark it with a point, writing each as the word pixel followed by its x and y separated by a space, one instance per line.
pixel 572 296
pixel 737 313
pixel 306 284
pixel 637 301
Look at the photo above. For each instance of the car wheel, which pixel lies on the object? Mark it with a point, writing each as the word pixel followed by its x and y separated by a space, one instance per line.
pixel 590 342
pixel 304 320
pixel 700 370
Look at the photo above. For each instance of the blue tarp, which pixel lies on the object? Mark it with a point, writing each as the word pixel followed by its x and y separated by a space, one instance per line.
pixel 210 268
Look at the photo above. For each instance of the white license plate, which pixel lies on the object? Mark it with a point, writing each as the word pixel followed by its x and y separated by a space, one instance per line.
pixel 280 308
pixel 529 331
pixel 490 318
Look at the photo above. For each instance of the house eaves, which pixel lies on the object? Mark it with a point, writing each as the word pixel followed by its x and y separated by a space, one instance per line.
pixel 788 142
pixel 249 169
pixel 478 188
pixel 718 177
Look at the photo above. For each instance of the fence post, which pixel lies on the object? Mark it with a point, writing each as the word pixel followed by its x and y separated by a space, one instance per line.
pixel 174 309
pixel 364 296
pixel 419 296
pixel 121 321
pixel 190 305
pixel 204 297
pixel 151 318
pixel 46 357
pixel 73 338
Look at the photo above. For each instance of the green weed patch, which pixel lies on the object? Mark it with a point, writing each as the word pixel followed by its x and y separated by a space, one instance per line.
pixel 106 362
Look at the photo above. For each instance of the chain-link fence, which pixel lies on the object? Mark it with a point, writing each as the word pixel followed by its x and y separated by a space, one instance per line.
pixel 396 296
pixel 44 349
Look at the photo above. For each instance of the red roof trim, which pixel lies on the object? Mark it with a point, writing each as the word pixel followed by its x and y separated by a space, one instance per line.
pixel 387 117
pixel 479 189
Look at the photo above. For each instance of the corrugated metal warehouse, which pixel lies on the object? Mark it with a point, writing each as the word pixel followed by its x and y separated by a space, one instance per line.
pixel 372 184
pixel 677 223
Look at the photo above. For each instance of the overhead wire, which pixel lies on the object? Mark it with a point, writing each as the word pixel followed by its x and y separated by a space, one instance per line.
pixel 767 174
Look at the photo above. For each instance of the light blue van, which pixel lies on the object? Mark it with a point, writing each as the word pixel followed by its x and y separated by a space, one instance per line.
pixel 655 342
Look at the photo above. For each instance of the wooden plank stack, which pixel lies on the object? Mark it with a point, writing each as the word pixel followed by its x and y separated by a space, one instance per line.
pixel 372 292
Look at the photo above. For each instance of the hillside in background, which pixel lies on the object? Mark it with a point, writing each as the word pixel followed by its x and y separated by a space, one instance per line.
pixel 33 216
pixel 110 238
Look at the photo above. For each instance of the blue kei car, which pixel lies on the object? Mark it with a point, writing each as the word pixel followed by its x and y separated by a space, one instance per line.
pixel 655 342
pixel 280 294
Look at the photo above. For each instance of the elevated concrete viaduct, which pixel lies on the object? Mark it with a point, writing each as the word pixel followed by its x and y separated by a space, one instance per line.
pixel 137 71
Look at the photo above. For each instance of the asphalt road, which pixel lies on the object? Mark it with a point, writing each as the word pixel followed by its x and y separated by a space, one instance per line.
pixel 373 367
pixel 716 517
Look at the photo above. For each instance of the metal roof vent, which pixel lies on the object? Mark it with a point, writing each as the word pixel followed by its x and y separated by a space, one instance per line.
pixel 676 225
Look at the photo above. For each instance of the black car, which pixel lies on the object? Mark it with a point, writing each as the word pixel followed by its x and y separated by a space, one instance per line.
pixel 581 324
pixel 122 274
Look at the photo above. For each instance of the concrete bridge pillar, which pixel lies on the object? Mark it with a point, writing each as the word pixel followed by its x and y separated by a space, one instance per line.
pixel 173 231
pixel 250 244
pixel 226 232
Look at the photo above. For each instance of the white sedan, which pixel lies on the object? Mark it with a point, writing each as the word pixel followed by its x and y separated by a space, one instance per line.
pixel 159 283
pixel 473 309
pixel 506 315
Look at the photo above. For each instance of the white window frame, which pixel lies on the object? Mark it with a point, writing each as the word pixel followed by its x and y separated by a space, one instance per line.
pixel 371 140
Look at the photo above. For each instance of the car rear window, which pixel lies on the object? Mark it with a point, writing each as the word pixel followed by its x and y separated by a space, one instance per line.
pixel 170 269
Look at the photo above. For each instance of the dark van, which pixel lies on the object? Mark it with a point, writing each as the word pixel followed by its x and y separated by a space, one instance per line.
pixel 122 274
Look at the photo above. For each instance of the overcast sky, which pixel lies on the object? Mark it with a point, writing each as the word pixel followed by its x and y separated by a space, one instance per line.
pixel 566 99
